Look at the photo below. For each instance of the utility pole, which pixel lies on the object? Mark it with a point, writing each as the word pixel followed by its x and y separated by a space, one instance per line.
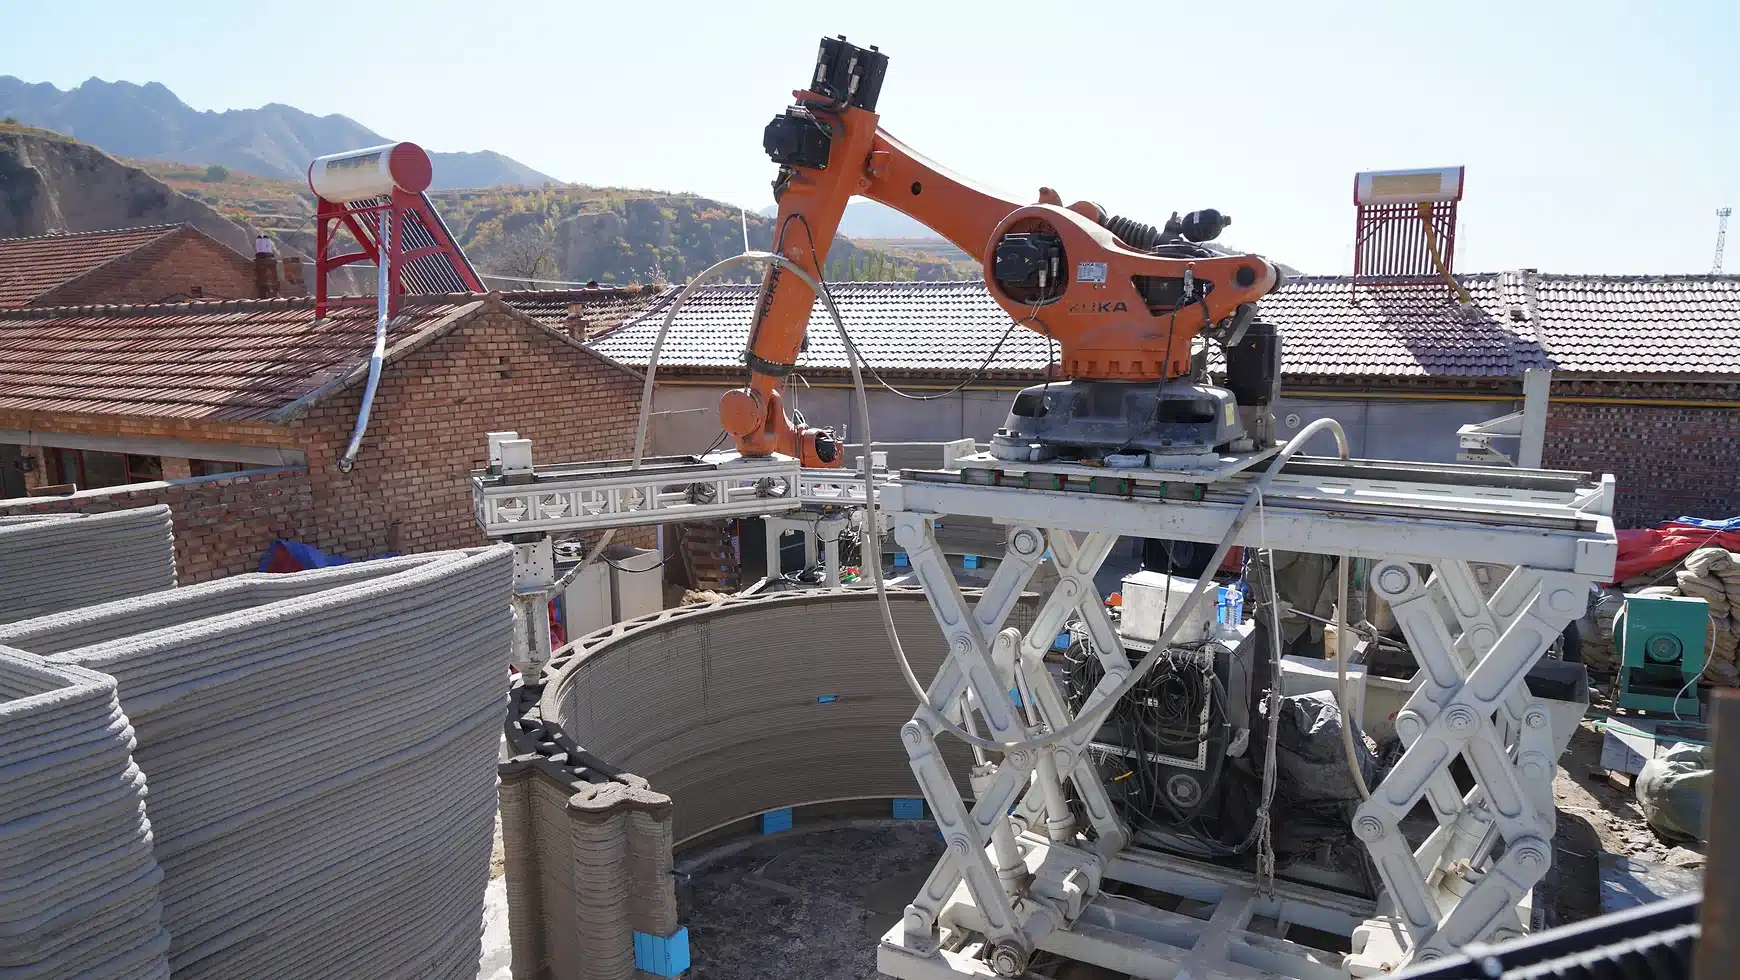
pixel 1721 238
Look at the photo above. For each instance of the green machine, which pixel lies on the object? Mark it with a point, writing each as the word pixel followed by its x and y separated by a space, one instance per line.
pixel 1662 645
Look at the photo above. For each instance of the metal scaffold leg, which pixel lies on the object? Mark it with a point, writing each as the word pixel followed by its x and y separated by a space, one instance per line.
pixel 1019 892
pixel 1472 701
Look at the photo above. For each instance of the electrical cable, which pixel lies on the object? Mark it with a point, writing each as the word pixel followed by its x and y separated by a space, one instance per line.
pixel 541 282
pixel 978 373
pixel 1709 650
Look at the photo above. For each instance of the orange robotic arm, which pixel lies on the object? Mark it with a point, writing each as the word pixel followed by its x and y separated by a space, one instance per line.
pixel 1094 284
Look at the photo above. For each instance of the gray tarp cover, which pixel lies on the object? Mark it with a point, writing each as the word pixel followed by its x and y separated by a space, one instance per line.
pixel 1674 789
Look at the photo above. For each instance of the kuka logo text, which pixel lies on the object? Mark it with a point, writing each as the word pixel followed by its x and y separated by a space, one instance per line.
pixel 1109 306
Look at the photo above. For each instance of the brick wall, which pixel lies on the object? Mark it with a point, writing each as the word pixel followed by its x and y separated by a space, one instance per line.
pixel 410 490
pixel 195 430
pixel 186 263
pixel 1668 460
pixel 223 525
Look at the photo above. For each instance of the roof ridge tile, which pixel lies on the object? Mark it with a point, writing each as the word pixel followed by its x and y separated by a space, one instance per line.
pixel 61 235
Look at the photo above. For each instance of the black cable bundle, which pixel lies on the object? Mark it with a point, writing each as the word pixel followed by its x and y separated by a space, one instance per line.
pixel 1162 716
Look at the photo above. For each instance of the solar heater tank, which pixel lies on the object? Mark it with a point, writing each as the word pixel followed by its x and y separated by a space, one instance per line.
pixel 358 175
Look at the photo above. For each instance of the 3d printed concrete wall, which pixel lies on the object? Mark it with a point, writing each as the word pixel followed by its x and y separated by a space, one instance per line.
pixel 78 884
pixel 321 752
pixel 63 561
pixel 752 704
pixel 589 856
pixel 674 725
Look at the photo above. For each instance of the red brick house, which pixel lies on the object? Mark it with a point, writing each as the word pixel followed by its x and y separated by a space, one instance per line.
pixel 154 264
pixel 235 413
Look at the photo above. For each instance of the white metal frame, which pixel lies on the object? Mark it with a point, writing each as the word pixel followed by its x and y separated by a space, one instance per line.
pixel 516 501
pixel 576 497
pixel 1017 877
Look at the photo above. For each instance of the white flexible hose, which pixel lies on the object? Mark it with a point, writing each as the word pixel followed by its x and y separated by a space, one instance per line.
pixel 1341 677
pixel 646 399
pixel 378 356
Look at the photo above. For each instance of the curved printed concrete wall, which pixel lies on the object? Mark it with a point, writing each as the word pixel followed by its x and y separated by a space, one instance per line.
pixel 656 731
pixel 754 703
pixel 53 562
pixel 78 883
pixel 321 753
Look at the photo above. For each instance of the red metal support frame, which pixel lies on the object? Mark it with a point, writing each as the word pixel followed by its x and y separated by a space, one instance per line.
pixel 361 220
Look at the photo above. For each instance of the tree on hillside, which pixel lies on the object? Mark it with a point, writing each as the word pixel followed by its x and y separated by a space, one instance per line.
pixel 530 253
pixel 217 173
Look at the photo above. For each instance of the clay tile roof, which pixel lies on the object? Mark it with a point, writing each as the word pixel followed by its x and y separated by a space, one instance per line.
pixel 1628 325
pixel 940 327
pixel 30 267
pixel 603 308
pixel 953 327
pixel 235 360
pixel 1330 328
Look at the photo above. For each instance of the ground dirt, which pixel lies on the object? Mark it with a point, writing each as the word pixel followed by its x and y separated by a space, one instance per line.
pixel 1594 816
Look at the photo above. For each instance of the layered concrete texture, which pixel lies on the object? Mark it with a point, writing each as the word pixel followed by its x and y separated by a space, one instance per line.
pixel 588 851
pixel 53 562
pixel 78 883
pixel 754 703
pixel 321 748
pixel 658 731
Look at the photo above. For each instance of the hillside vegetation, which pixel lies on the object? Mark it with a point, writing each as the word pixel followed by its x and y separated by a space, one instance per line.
pixel 565 232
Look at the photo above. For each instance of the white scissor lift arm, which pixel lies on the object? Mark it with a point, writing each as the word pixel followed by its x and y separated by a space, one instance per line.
pixel 1018 877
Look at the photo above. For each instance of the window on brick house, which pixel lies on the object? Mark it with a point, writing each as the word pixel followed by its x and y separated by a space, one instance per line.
pixel 90 469
pixel 212 467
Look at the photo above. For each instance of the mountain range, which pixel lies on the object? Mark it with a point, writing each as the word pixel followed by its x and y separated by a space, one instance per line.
pixel 275 140
pixel 870 219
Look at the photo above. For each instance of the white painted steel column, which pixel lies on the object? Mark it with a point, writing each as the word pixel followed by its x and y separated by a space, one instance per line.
pixel 1537 390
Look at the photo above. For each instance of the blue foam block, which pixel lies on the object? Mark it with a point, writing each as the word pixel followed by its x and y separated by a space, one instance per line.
pixel 665 957
pixel 774 821
pixel 900 559
pixel 909 809
pixel 969 561
pixel 827 699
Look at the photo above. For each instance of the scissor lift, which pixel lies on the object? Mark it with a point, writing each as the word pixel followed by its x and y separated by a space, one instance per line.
pixel 1019 877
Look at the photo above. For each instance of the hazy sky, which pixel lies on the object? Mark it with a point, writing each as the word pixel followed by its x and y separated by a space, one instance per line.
pixel 1598 137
